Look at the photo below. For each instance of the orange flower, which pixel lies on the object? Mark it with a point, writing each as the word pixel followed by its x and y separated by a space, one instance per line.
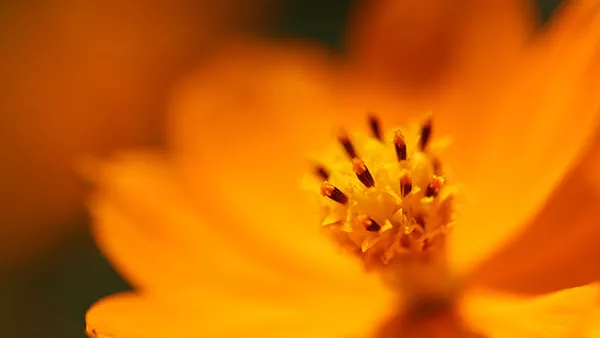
pixel 219 240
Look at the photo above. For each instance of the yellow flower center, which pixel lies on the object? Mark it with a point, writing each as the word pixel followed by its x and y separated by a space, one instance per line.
pixel 386 195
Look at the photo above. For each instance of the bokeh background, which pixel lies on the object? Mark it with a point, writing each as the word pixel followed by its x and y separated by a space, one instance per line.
pixel 91 77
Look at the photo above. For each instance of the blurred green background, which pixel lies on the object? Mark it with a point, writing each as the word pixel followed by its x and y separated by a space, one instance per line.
pixel 47 295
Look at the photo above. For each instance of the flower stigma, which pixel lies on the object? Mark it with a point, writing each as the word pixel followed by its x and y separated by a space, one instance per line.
pixel 385 195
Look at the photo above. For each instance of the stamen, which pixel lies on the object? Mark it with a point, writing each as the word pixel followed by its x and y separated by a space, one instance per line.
pixel 348 147
pixel 368 223
pixel 405 186
pixel 433 188
pixel 425 134
pixel 322 172
pixel 418 216
pixel 400 146
pixel 329 190
pixel 363 173
pixel 375 127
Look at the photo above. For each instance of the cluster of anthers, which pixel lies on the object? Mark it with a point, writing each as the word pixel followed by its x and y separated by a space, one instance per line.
pixel 386 199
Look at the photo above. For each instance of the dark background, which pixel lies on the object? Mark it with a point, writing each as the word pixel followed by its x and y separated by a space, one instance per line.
pixel 48 296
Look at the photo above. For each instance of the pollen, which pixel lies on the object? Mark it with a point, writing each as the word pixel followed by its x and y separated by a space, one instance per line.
pixel 384 194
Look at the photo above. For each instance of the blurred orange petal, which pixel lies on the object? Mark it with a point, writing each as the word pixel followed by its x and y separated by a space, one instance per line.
pixel 136 316
pixel 593 330
pixel 559 248
pixel 155 234
pixel 421 45
pixel 241 132
pixel 255 97
pixel 562 314
pixel 537 130
pixel 87 77
pixel 152 234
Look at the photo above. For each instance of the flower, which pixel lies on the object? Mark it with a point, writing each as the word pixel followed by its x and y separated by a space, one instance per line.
pixel 219 241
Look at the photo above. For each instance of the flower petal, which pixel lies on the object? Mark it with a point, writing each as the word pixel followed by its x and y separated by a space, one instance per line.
pixel 421 44
pixel 59 67
pixel 136 316
pixel 562 314
pixel 150 232
pixel 241 132
pixel 247 122
pixel 559 248
pixel 541 128
pixel 158 238
pixel 254 101
pixel 593 330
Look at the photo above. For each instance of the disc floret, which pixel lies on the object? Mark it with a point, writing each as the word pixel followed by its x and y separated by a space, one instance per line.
pixel 385 195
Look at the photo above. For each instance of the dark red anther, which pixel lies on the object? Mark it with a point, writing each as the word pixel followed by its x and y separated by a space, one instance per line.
pixel 322 172
pixel 363 173
pixel 425 134
pixel 400 146
pixel 433 188
pixel 375 127
pixel 347 144
pixel 405 186
pixel 329 190
pixel 368 223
